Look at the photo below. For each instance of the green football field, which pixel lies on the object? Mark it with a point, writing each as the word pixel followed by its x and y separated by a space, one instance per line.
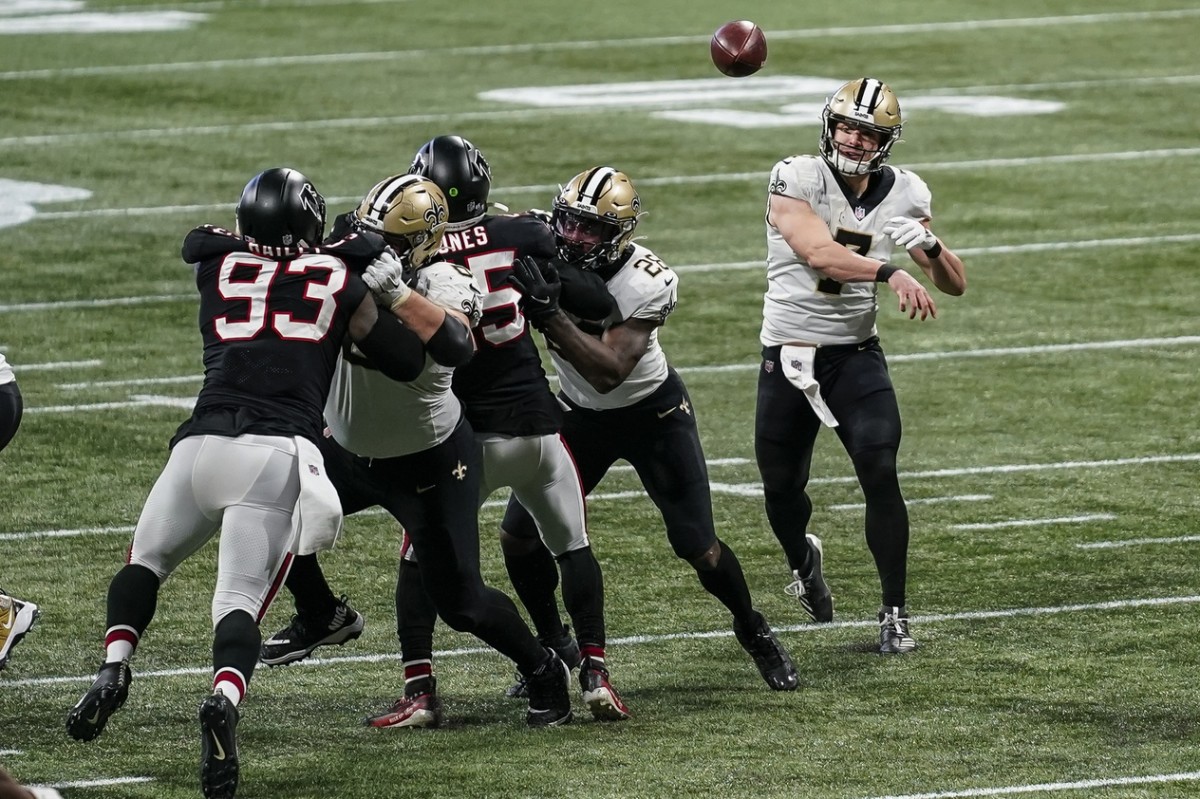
pixel 1051 454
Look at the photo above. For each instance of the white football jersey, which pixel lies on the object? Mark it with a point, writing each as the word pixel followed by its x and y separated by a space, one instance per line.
pixel 801 304
pixel 6 372
pixel 644 288
pixel 377 417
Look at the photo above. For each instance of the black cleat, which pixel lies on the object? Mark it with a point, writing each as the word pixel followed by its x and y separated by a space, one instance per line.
pixel 810 588
pixel 772 659
pixel 893 631
pixel 549 697
pixel 298 640
pixel 567 648
pixel 109 691
pixel 218 747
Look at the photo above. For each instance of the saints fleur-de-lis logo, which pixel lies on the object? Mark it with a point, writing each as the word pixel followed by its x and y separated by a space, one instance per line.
pixel 460 471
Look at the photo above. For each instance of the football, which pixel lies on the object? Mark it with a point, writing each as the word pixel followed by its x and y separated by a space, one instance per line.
pixel 739 48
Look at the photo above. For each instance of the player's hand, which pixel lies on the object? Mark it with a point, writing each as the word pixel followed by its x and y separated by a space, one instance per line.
pixel 914 297
pixel 909 233
pixel 540 286
pixel 385 277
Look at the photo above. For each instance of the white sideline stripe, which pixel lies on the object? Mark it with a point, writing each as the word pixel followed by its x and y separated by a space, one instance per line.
pixel 1137 542
pixel 1039 349
pixel 52 365
pixel 1082 519
pixel 920 501
pixel 1047 787
pixel 13 752
pixel 987 352
pixel 104 303
pixel 550 189
pixel 743 488
pixel 936 618
pixel 100 783
pixel 568 46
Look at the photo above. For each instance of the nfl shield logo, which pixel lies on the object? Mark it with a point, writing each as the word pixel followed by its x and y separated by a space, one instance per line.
pixel 768 366
pixel 859 212
pixel 312 469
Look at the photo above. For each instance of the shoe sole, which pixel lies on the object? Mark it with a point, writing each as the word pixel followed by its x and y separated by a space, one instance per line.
pixel 421 720
pixel 604 706
pixel 338 638
pixel 218 777
pixel 87 720
pixel 16 639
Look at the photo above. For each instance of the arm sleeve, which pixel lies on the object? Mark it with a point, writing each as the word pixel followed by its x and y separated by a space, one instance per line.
pixel 451 345
pixel 394 349
pixel 584 293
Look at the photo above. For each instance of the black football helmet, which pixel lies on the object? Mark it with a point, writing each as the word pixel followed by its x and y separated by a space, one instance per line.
pixel 283 208
pixel 460 171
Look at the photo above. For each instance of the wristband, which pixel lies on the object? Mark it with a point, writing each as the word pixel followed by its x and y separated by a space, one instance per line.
pixel 935 250
pixel 885 272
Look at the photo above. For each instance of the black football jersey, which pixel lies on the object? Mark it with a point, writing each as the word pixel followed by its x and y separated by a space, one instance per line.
pixel 272 320
pixel 503 388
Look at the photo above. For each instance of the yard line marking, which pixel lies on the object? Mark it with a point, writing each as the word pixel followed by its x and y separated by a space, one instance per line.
pixel 933 618
pixel 52 365
pixel 1083 519
pixel 60 305
pixel 986 352
pixel 137 381
pixel 920 501
pixel 739 489
pixel 319 59
pixel 1137 542
pixel 13 752
pixel 1047 787
pixel 99 783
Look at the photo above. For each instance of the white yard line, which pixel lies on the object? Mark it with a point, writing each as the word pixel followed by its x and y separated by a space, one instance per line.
pixel 1137 542
pixel 920 501
pixel 318 59
pixel 97 783
pixel 59 305
pixel 1082 519
pixel 937 618
pixel 50 366
pixel 1048 787
pixel 736 489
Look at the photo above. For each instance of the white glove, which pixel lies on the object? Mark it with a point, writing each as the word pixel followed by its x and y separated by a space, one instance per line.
pixel 385 278
pixel 908 233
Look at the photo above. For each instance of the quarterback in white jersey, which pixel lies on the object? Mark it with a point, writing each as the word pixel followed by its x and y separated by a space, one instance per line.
pixel 624 401
pixel 833 222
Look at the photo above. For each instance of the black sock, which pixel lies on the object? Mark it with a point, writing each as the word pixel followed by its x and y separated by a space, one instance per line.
pixel 236 643
pixel 415 614
pixel 312 594
pixel 534 578
pixel 583 595
pixel 727 582
pixel 132 598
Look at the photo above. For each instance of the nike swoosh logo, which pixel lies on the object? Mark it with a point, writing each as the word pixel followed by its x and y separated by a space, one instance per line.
pixel 220 755
pixel 95 717
pixel 12 618
pixel 667 412
pixel 668 282
pixel 423 489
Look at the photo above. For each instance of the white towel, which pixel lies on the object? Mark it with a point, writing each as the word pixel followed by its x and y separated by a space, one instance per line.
pixel 797 365
pixel 318 512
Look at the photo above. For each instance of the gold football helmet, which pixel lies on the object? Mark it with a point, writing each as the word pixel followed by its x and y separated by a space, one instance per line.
pixel 864 103
pixel 594 217
pixel 410 212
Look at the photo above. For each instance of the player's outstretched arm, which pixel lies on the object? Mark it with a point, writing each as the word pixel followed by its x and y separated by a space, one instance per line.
pixel 604 362
pixel 936 260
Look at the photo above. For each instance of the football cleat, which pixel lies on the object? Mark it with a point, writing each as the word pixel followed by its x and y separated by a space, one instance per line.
pixel 811 589
pixel 218 747
pixel 599 695
pixel 549 697
pixel 893 631
pixel 421 708
pixel 298 640
pixel 567 648
pixel 17 617
pixel 773 661
pixel 108 692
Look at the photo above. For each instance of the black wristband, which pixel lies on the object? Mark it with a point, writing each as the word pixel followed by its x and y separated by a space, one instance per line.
pixel 885 271
pixel 935 250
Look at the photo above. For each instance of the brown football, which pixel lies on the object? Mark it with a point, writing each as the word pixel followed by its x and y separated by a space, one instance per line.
pixel 739 48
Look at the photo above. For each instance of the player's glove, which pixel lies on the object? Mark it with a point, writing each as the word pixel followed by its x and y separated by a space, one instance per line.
pixel 540 286
pixel 386 277
pixel 908 233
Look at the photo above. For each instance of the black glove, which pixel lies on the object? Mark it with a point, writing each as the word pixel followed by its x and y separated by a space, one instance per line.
pixel 540 286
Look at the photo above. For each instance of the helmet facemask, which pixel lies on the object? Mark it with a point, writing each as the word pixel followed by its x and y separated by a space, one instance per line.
pixel 866 104
pixel 594 217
